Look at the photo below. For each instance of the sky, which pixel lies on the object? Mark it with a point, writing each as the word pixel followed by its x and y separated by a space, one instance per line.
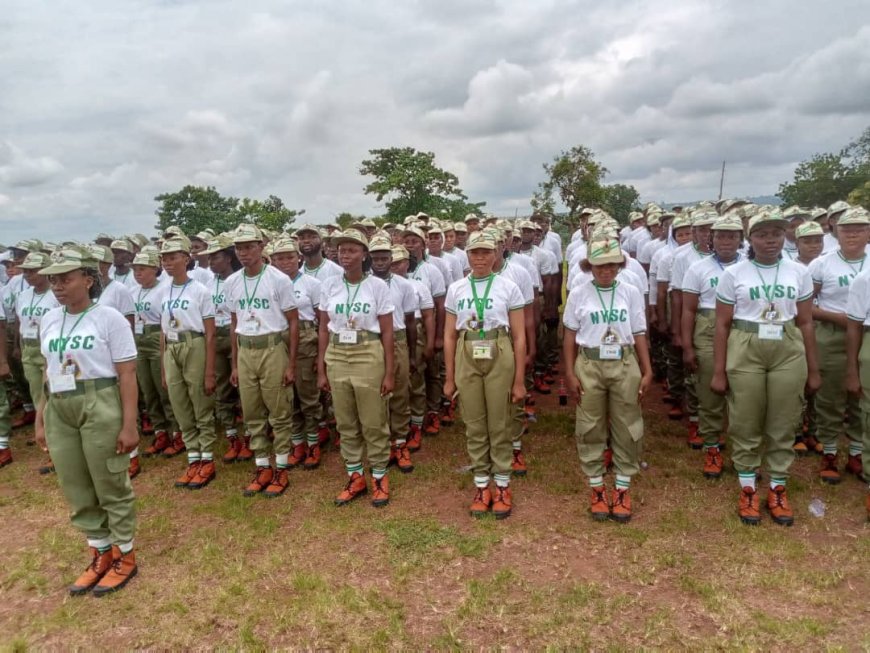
pixel 105 104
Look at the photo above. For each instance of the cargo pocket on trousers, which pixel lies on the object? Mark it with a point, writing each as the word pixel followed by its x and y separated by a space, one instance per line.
pixel 118 463
pixel 584 426
pixel 635 429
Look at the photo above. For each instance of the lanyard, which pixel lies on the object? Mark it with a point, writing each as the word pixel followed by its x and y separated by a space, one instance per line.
pixel 249 297
pixel 183 288
pixel 849 263
pixel 764 285
pixel 729 263
pixel 480 302
pixel 147 290
pixel 62 347
pixel 41 297
pixel 350 299
pixel 608 311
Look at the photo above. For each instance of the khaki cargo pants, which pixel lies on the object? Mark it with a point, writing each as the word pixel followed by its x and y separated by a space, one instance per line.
pixel 184 365
pixel 711 406
pixel 150 381
pixel 832 401
pixel 307 409
pixel 400 406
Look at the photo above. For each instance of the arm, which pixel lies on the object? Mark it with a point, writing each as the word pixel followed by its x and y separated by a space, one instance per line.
pixel 4 361
pixel 209 383
pixel 724 316
pixel 162 366
pixel 429 329
pixel 518 329
pixel 822 315
pixel 662 306
pixel 292 317
pixel 439 322
pixel 690 308
pixel 449 356
pixel 569 356
pixel 529 320
pixel 411 337
pixel 128 438
pixel 676 313
pixel 388 340
pixel 234 352
pixel 854 331
pixel 804 321
pixel 322 344
pixel 641 346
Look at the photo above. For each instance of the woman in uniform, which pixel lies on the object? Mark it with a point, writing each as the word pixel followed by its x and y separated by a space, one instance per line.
pixel 764 352
pixel 485 357
pixel 146 330
pixel 608 368
pixel 355 363
pixel 698 323
pixel 307 410
pixel 188 348
pixel 87 419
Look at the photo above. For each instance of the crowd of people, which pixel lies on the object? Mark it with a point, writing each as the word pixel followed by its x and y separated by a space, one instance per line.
pixel 371 338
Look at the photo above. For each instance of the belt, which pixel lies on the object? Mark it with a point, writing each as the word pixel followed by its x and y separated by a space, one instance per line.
pixel 307 325
pixel 361 336
pixel 487 335
pixel 82 387
pixel 752 327
pixel 707 312
pixel 594 353
pixel 185 336
pixel 149 328
pixel 261 342
pixel 400 335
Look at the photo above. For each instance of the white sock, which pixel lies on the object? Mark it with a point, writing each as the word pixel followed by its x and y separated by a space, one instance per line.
pixel 126 547
pixel 747 479
pixel 596 481
pixel 29 408
pixel 263 462
pixel 135 452
pixel 207 455
pixel 502 480
pixel 623 482
pixel 776 481
pixel 856 448
pixel 4 441
pixel 231 433
pixel 481 481
pixel 102 545
pixel 518 445
pixel 281 459
pixel 192 457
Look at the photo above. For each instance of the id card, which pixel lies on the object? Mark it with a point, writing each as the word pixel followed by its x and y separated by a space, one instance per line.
pixel 61 383
pixel 30 331
pixel 610 352
pixel 172 335
pixel 249 326
pixel 221 320
pixel 770 332
pixel 348 336
pixel 138 327
pixel 481 350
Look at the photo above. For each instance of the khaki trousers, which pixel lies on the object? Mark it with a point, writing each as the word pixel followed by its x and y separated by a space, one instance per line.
pixel 262 361
pixel 400 406
pixel 225 395
pixel 864 371
pixel 307 409
pixel 33 364
pixel 154 394
pixel 711 406
pixel 832 401
pixel 417 389
pixel 184 367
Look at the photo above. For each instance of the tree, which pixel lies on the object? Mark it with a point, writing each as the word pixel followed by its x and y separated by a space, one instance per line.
pixel 195 208
pixel 620 200
pixel 577 177
pixel 270 214
pixel 828 178
pixel 861 196
pixel 411 182
pixel 542 199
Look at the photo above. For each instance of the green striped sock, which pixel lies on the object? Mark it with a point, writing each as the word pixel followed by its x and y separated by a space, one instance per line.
pixel 747 479
pixel 312 439
pixel 353 468
pixel 856 448
pixel 622 482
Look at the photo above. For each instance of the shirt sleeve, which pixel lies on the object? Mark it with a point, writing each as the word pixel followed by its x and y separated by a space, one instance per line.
pixel 436 279
pixel 206 304
pixel 410 303
pixel 569 315
pixel 692 280
pixel 515 297
pixel 284 292
pixel 125 300
pixel 450 301
pixel 384 298
pixel 122 346
pixel 725 291
pixel 636 312
pixel 424 295
pixel 805 290
pixel 856 307
pixel 314 291
pixel 816 271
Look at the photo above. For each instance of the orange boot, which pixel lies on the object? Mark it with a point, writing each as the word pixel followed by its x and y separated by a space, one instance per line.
pixel 26 418
pixel 298 454
pixel 694 440
pixel 777 504
pixel 160 444
pixel 134 469
pixel 433 424
pixel 518 466
pixel 621 505
pixel 122 572
pixel 356 487
pixel 5 457
pixel 828 471
pixel 854 465
pixel 403 458
pixel 189 474
pixel 380 492
pixel 748 508
pixel 261 480
pixel 245 454
pixel 599 508
pixel 502 503
pixel 713 463
pixel 415 438
pixel 205 474
pixel 312 460
pixel 234 446
pixel 100 564
pixel 176 447
pixel 280 481
pixel 482 502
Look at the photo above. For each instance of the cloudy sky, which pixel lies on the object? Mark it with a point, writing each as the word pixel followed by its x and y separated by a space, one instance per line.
pixel 106 103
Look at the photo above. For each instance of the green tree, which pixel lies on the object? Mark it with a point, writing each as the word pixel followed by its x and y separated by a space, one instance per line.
pixel 576 176
pixel 410 182
pixel 861 196
pixel 542 199
pixel 620 200
pixel 194 208
pixel 270 214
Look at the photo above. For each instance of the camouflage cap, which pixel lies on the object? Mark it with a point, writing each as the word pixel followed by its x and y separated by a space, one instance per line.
pixel 35 261
pixel 219 243
pixel 809 229
pixel 838 207
pixel 285 245
pixel 175 245
pixel 173 231
pixel 728 222
pixel 350 236
pixel 380 245
pixel 481 240
pixel 101 253
pixel 399 253
pixel 854 215
pixel 795 212
pixel 72 258
pixel 603 251
pixel 460 227
pixel 148 259
pixel 767 219
pixel 122 244
pixel 247 233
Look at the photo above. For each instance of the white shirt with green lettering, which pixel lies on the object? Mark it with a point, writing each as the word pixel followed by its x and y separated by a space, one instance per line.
pixel 702 279
pixel 14 287
pixel 404 297
pixel 363 302
pixel 147 309
pixel 858 306
pixel 94 341
pixel 184 307
pixel 751 287
pixel 306 292
pixel 116 295
pixel 504 296
pixel 30 307
pixel 590 310
pixel 429 276
pixel 326 270
pixel 259 302
pixel 222 312
pixel 834 273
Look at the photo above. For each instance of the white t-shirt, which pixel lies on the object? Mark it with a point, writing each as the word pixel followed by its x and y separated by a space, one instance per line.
pixel 639 238
pixel 504 296
pixel 30 308
pixel 424 297
pixel 95 341
pixel 260 302
pixel 834 273
pixel 858 306
pixel 645 253
pixel 589 315
pixel 127 280
pixel 441 266
pixel 660 255
pixel 666 263
pixel 324 271
pixel 790 250
pixel 147 310
pixel 306 291
pixel 743 286
pixel 430 277
pixel 702 279
pixel 183 308
pixel 404 297
pixel 11 290
pixel 116 295
pixel 463 259
pixel 552 242
pixel 222 312
pixel 682 262
pixel 545 261
pixel 829 243
pixel 454 267
pixel 204 275
pixel 625 234
pixel 520 277
pixel 529 266
pixel 625 275
pixel 363 302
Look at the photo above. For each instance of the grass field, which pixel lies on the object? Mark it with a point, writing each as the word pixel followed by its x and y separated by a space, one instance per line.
pixel 219 570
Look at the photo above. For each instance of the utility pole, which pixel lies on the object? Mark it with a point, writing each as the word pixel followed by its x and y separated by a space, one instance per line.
pixel 722 180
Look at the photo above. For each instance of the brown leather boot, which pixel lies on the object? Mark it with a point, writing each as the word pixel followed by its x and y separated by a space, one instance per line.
pixel 448 413
pixel 147 426
pixel 403 459
pixel 312 460
pixel 205 474
pixel 502 502
pixel 380 492
pixel 777 504
pixel 176 447
pixel 134 469
pixel 482 502
pixel 189 474
pixel 813 444
pixel 122 571
pixel 100 564
pixel 433 424
pixel 323 435
pixel 26 418
pixel 748 507
pixel 620 505
pixel 233 449
pixel 245 453
pixel 693 439
pixel 262 479
pixel 713 463
pixel 854 465
pixel 828 471
pixel 47 468
pixel 599 507
pixel 5 456
pixel 278 486
pixel 518 465
pixel 160 444
pixel 415 438
pixel 298 454
pixel 800 447
pixel 356 487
